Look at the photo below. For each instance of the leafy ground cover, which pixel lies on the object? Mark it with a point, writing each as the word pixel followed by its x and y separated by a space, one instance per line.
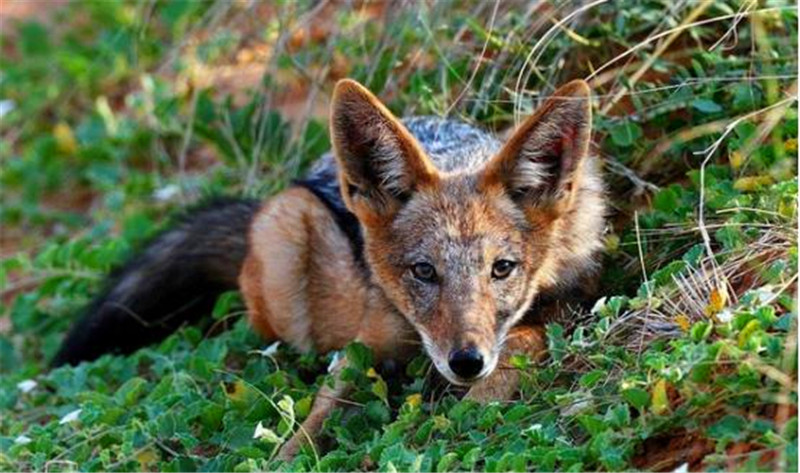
pixel 114 115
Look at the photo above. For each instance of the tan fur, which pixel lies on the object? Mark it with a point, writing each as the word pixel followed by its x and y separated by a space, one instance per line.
pixel 301 282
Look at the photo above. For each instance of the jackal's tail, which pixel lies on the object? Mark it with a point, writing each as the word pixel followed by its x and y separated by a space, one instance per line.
pixel 174 280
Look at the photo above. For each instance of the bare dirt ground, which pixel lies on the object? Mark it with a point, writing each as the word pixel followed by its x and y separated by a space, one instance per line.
pixel 11 10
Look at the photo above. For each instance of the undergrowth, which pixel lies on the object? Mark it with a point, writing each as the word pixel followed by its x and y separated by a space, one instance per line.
pixel 116 114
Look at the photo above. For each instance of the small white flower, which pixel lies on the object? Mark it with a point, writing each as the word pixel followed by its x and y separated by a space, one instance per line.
pixel 70 417
pixel 765 294
pixel 725 315
pixel 166 193
pixel 270 350
pixel 26 386
pixel 682 469
pixel 6 106
pixel 22 440
pixel 534 428
pixel 334 361
pixel 263 433
pixel 598 305
pixel 534 431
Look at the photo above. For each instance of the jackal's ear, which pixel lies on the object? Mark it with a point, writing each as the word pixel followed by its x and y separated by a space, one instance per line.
pixel 538 163
pixel 381 163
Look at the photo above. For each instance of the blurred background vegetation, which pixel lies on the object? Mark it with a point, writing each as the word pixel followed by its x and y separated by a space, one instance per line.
pixel 116 114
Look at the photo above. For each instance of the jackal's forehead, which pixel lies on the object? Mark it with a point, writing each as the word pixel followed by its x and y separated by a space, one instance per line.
pixel 456 220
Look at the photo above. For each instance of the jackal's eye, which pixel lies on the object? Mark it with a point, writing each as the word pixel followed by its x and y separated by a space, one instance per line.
pixel 501 269
pixel 424 272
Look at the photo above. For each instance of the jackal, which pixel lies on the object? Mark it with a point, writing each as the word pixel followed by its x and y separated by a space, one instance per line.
pixel 422 231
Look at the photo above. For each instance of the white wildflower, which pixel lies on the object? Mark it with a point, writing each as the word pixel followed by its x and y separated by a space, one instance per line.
pixel 270 350
pixel 6 107
pixel 598 306
pixel 263 433
pixel 765 294
pixel 166 193
pixel 534 428
pixel 334 361
pixel 70 417
pixel 26 386
pixel 725 315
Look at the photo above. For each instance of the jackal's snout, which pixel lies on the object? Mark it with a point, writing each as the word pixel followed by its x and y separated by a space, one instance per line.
pixel 460 357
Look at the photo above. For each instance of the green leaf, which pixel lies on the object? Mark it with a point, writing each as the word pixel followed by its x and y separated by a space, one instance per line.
pixel 593 424
pixel 286 405
pixel 730 427
pixel 619 415
pixel 520 361
pixel 638 398
pixel 591 378
pixel 557 345
pixel 378 412
pixel 706 105
pixel 470 458
pixel 447 462
pixel 625 134
pixel 380 389
pixel 730 237
pixel 667 200
pixel 359 356
pixel 664 276
pixel 129 393
pixel 745 97
pixel 226 303
pixel 694 254
pixel 747 332
pixel 303 407
pixel 700 331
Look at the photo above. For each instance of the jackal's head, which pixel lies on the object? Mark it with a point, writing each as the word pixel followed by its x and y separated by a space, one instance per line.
pixel 462 255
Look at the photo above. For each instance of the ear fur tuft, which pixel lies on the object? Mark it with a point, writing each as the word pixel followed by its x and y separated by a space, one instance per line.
pixel 539 161
pixel 381 162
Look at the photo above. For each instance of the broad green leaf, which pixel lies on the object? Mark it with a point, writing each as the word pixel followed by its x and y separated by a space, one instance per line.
pixel 706 106
pixel 638 398
pixel 625 134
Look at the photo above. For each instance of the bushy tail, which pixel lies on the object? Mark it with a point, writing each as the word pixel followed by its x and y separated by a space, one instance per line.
pixel 176 279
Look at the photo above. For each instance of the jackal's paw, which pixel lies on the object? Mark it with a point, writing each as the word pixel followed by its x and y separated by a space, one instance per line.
pixel 292 446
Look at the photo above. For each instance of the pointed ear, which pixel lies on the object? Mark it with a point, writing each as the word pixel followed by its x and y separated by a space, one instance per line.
pixel 538 164
pixel 381 163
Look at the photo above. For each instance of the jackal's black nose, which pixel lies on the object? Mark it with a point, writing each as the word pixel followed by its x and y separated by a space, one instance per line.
pixel 466 363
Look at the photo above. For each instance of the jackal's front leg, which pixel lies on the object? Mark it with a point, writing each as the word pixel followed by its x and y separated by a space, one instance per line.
pixel 503 383
pixel 388 335
pixel 324 403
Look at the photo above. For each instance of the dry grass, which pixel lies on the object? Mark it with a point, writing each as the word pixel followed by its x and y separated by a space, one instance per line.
pixel 705 291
